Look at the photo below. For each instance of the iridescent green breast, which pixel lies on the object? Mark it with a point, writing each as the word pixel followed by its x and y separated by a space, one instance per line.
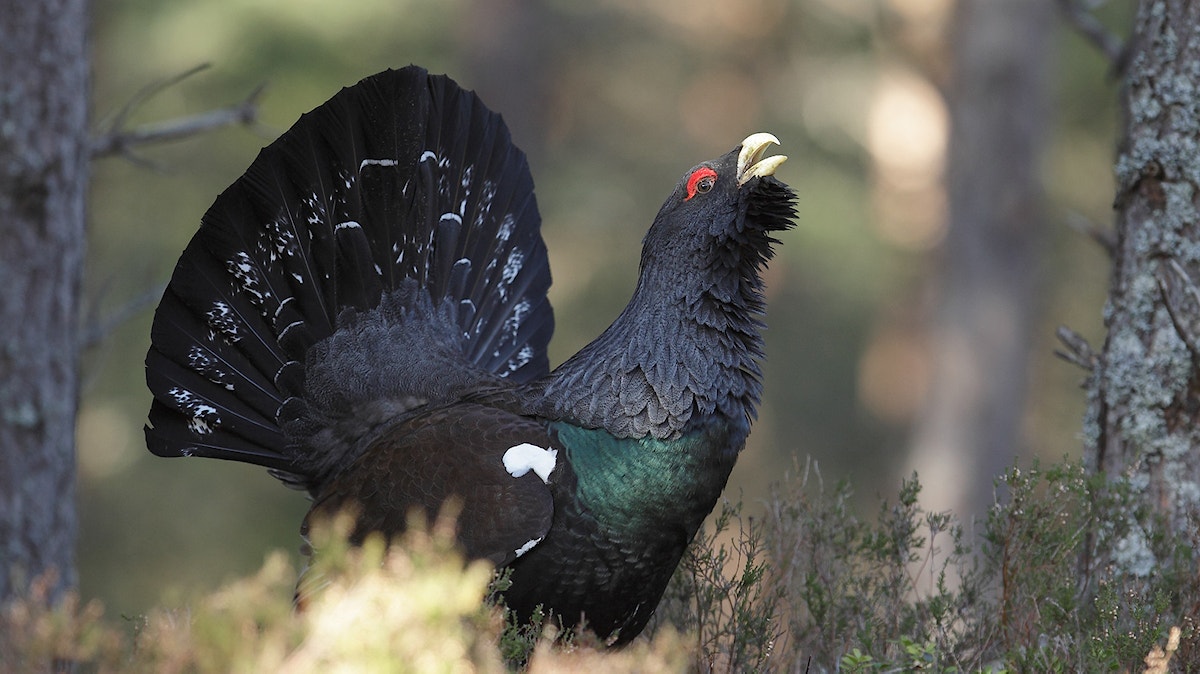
pixel 646 484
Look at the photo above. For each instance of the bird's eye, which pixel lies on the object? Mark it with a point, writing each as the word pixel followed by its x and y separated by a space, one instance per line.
pixel 701 181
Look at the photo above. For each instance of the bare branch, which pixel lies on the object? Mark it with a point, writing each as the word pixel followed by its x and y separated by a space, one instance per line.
pixel 120 141
pixel 1089 228
pixel 1185 331
pixel 150 91
pixel 1093 31
pixel 98 328
pixel 1187 281
pixel 1078 351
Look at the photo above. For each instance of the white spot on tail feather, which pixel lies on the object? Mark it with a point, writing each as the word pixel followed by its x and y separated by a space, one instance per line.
pixel 512 267
pixel 522 458
pixel 507 224
pixel 382 162
pixel 349 224
pixel 245 271
pixel 204 363
pixel 222 321
pixel 204 417
pixel 279 309
pixel 314 202
pixel 199 359
pixel 487 194
pixel 518 361
pixel 289 326
pixel 277 240
pixel 512 324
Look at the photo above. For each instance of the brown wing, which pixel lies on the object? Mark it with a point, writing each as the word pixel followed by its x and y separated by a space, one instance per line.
pixel 453 452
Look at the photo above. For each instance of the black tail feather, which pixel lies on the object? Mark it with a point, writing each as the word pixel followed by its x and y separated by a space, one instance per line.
pixel 403 177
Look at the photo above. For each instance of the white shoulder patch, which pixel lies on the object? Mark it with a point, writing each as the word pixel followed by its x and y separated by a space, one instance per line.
pixel 527 547
pixel 525 457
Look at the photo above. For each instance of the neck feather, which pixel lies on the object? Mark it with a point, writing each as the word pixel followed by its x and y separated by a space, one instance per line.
pixel 685 348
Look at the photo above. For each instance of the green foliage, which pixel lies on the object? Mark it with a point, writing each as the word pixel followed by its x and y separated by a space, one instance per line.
pixel 1040 588
pixel 1044 586
pixel 723 595
pixel 875 594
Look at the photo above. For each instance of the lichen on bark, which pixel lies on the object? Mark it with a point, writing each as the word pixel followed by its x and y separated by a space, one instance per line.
pixel 1144 396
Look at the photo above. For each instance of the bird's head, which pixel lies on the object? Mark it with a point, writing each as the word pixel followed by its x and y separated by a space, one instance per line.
pixel 721 213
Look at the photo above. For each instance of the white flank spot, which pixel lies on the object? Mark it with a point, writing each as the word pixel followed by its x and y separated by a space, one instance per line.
pixel 380 162
pixel 528 546
pixel 525 457
pixel 349 224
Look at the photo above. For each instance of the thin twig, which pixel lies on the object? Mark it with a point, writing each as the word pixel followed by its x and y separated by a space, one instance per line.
pixel 99 328
pixel 1093 31
pixel 1187 281
pixel 120 141
pixel 1078 351
pixel 1184 331
pixel 1086 226
pixel 150 91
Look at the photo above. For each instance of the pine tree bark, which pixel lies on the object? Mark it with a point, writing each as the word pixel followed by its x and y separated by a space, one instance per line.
pixel 1143 418
pixel 44 76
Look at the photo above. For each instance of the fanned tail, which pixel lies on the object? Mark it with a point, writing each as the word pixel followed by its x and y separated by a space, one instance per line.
pixel 382 254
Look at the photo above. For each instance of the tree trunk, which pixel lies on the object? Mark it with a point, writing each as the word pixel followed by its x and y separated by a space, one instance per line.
pixel 970 429
pixel 1144 394
pixel 43 179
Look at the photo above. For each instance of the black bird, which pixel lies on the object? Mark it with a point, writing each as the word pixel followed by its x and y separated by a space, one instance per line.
pixel 364 313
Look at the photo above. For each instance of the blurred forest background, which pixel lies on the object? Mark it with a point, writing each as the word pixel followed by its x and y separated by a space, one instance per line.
pixel 612 100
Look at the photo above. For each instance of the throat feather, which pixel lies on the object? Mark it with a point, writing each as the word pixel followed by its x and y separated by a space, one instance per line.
pixel 658 372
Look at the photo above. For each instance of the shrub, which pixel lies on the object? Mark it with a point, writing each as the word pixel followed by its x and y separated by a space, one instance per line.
pixel 1048 585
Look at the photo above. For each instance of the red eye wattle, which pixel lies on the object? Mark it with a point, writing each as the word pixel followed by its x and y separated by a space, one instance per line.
pixel 701 181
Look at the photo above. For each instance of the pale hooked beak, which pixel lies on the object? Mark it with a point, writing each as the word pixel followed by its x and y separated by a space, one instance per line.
pixel 750 165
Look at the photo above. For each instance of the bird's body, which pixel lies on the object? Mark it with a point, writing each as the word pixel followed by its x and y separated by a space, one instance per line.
pixel 364 312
